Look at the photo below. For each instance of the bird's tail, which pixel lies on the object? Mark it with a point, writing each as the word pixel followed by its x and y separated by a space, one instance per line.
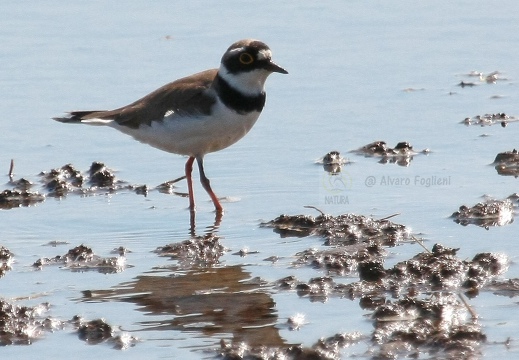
pixel 77 117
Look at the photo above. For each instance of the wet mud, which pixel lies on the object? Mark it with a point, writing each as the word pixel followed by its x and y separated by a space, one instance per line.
pixel 417 306
pixel 23 325
pixel 67 180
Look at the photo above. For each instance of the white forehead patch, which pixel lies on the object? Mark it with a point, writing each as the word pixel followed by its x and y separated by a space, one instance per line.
pixel 264 54
pixel 237 50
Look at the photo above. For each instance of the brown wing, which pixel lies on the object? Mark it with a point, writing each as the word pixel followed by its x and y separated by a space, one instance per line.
pixel 186 96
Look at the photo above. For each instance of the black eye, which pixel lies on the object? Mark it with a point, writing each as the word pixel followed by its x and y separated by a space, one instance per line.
pixel 246 59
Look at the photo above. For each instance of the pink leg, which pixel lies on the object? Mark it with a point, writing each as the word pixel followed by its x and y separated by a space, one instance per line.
pixel 207 186
pixel 189 170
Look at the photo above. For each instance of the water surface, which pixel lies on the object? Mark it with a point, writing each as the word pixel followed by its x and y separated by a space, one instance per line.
pixel 350 64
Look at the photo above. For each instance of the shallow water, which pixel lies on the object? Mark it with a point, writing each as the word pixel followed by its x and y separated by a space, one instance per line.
pixel 349 63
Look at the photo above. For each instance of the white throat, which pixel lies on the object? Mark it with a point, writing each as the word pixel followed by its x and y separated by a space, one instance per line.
pixel 248 83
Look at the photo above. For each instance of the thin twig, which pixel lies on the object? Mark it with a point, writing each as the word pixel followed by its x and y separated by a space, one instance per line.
pixel 177 179
pixel 313 207
pixel 469 308
pixel 11 170
pixel 419 242
pixel 389 217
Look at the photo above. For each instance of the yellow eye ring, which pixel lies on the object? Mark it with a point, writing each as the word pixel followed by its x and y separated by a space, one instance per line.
pixel 246 59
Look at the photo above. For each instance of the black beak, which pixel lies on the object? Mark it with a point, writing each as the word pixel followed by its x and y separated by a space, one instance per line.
pixel 273 67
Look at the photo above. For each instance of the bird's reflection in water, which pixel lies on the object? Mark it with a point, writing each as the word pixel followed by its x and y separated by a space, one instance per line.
pixel 166 188
pixel 200 295
pixel 218 216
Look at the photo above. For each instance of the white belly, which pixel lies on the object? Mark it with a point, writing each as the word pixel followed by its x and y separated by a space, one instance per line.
pixel 194 136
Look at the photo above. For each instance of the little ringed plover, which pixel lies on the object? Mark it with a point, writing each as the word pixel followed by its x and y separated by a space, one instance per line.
pixel 197 114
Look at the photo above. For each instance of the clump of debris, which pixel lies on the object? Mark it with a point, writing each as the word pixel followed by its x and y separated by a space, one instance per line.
pixel 61 181
pixel 10 199
pixel 340 260
pixel 6 259
pixel 489 120
pixel 201 250
pixel 332 162
pixel 98 331
pixel 490 212
pixel 402 154
pixel 416 305
pixel 66 180
pixel 324 349
pixel 21 325
pixel 345 229
pixel 490 78
pixel 436 270
pixel 507 163
pixel 83 258
pixel 442 269
pixel 436 323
